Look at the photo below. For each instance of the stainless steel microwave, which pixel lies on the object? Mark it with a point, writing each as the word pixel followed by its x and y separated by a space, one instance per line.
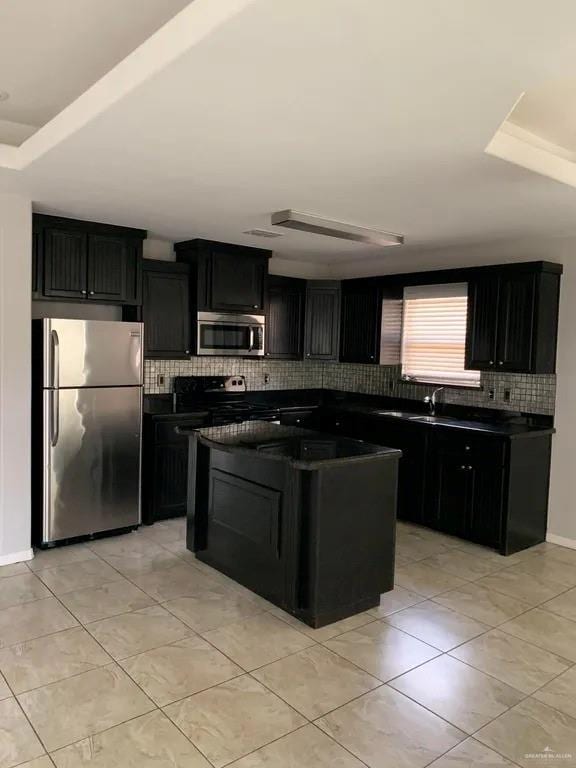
pixel 223 334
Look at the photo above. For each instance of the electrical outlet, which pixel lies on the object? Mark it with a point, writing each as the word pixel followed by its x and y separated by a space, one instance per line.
pixel 160 379
pixel 266 378
pixel 507 395
pixel 490 394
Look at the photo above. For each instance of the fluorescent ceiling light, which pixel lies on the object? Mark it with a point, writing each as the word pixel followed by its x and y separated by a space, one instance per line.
pixel 306 222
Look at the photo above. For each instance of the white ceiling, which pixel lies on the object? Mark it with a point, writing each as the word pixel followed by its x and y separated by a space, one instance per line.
pixel 549 111
pixel 374 113
pixel 52 50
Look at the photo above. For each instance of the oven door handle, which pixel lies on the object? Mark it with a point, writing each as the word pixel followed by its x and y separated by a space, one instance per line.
pixel 251 341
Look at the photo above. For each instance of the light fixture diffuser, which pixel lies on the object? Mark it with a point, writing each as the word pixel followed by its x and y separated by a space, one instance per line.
pixel 307 222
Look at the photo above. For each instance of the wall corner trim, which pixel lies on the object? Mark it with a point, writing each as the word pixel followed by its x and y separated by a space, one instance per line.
pixel 562 541
pixel 26 554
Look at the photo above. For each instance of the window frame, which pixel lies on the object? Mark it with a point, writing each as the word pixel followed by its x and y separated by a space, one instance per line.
pixel 431 380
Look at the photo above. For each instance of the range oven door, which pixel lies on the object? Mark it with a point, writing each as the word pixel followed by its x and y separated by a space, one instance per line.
pixel 234 335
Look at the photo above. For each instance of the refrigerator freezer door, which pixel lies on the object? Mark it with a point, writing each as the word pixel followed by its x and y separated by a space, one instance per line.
pixel 92 353
pixel 92 460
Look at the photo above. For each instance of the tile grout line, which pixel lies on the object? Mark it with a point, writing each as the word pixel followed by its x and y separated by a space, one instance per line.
pixel 313 643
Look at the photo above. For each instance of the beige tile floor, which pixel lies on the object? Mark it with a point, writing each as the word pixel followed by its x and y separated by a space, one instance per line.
pixel 128 652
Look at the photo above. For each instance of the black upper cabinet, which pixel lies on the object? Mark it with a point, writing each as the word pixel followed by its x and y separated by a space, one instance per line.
pixel 78 260
pixel 322 327
pixel 229 278
pixel 360 321
pixel 166 310
pixel 285 317
pixel 65 264
pixel 482 323
pixel 513 319
pixel 107 268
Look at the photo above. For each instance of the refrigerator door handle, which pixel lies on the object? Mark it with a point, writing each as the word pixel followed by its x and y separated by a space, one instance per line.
pixel 55 358
pixel 54 417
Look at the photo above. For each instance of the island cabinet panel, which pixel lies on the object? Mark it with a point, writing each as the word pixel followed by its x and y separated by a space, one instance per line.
pixel 85 260
pixel 322 328
pixel 166 310
pixel 350 539
pixel 285 317
pixel 226 277
pixel 360 321
pixel 513 319
pixel 292 527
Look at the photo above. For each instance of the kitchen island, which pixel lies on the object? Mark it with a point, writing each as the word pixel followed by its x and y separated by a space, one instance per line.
pixel 305 519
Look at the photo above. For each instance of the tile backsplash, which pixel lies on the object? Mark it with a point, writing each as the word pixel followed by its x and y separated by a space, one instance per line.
pixel 511 392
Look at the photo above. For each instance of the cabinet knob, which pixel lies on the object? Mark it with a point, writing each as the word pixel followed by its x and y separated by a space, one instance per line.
pixel 308 354
pixel 83 293
pixel 187 351
pixel 255 306
pixel 491 362
pixel 463 466
pixel 469 466
pixel 466 447
pixel 91 293
pixel 500 362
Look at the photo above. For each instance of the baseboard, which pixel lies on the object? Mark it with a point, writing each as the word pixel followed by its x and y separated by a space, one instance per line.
pixel 562 541
pixel 19 557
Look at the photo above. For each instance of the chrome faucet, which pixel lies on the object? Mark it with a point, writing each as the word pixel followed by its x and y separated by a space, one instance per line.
pixel 431 400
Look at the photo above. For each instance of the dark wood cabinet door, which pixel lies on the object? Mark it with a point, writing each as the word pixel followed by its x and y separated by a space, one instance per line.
pixel 448 486
pixel 482 325
pixel 285 318
pixel 322 331
pixel 65 261
pixel 166 313
pixel 107 267
pixel 515 322
pixel 236 283
pixel 171 479
pixel 36 273
pixel 360 321
pixel 485 514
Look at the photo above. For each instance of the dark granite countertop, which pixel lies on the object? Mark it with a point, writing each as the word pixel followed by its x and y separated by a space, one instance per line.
pixel 503 428
pixel 303 448
pixel 482 420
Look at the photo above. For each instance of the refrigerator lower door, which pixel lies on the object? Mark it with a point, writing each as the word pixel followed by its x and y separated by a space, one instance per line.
pixel 92 440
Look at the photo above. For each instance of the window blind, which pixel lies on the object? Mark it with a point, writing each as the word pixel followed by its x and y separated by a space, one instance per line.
pixel 434 334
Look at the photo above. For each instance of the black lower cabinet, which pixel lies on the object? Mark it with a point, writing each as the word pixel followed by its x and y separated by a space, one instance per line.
pixel 465 487
pixel 491 490
pixel 165 467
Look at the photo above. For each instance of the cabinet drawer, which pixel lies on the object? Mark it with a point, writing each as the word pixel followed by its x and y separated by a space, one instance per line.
pixel 467 446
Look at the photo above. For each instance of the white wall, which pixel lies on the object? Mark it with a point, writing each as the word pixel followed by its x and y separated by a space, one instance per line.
pixel 562 516
pixel 15 293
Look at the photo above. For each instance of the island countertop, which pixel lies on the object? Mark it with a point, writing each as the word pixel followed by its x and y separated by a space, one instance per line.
pixel 302 448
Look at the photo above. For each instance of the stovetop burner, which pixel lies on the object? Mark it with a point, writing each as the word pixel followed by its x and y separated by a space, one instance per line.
pixel 222 396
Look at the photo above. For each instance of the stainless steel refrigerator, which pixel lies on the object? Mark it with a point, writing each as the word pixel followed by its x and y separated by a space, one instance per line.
pixel 89 403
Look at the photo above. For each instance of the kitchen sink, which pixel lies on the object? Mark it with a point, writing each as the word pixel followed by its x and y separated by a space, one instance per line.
pixel 398 414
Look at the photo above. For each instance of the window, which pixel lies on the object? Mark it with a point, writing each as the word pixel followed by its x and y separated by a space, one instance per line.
pixel 434 335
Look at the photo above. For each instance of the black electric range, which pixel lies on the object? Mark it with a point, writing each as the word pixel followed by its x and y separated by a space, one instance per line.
pixel 223 398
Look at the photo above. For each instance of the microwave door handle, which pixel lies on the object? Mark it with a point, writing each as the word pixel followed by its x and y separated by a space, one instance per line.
pixel 251 342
